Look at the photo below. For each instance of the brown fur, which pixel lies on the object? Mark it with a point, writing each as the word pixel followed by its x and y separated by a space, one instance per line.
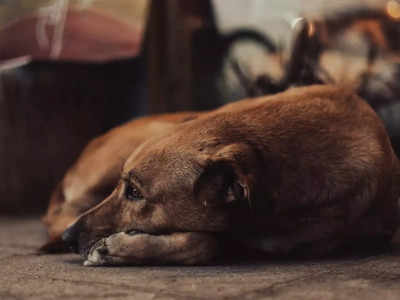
pixel 307 170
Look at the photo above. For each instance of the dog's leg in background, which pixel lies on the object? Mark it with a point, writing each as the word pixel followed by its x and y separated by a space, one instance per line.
pixel 189 248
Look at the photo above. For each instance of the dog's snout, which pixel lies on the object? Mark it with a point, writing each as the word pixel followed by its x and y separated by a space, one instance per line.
pixel 71 235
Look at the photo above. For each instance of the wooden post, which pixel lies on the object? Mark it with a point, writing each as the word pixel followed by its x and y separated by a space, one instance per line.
pixel 170 32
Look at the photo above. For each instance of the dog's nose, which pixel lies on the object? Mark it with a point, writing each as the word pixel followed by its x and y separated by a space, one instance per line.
pixel 71 236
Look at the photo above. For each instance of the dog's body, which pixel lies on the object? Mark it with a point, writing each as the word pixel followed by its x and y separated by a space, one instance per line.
pixel 306 170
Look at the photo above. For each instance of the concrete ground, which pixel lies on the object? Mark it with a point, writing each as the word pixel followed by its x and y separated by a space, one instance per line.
pixel 27 275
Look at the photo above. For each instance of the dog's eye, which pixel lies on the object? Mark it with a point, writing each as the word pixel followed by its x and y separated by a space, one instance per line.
pixel 133 193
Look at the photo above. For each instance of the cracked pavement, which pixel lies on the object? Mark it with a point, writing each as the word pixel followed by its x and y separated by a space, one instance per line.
pixel 26 275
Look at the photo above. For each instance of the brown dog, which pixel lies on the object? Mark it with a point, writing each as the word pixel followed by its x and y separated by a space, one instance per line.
pixel 96 173
pixel 307 170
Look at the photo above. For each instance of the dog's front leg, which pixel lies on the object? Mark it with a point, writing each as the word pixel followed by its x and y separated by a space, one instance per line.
pixel 187 248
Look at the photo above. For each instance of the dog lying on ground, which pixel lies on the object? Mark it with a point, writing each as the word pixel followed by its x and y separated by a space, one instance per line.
pixel 304 171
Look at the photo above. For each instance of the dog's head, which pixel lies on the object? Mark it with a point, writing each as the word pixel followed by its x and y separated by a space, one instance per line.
pixel 169 186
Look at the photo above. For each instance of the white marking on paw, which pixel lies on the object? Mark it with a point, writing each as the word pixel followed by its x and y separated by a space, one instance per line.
pixel 94 257
pixel 88 263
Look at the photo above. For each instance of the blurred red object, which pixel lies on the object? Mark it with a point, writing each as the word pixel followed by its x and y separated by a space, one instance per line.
pixel 88 35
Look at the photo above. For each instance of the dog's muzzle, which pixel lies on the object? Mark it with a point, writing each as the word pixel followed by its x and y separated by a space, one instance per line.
pixel 71 236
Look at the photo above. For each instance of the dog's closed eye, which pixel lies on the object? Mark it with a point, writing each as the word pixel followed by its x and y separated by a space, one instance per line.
pixel 132 192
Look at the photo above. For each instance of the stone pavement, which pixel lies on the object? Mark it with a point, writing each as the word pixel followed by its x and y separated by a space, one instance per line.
pixel 26 275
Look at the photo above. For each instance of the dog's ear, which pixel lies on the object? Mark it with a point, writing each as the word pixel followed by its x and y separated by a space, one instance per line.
pixel 222 182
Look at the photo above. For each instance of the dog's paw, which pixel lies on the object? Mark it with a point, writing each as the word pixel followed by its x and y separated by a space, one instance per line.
pixel 119 248
pixel 136 248
pixel 97 255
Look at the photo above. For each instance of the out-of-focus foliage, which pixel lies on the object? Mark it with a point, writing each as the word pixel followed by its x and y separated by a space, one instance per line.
pixel 131 11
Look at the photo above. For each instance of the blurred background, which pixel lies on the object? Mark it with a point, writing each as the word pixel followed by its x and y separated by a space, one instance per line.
pixel 72 69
